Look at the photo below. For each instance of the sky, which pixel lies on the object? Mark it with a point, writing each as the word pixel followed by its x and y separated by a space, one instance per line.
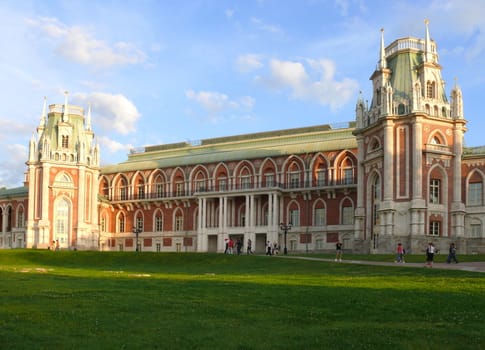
pixel 158 72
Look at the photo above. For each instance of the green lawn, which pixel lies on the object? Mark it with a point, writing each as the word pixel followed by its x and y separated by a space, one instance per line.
pixel 127 300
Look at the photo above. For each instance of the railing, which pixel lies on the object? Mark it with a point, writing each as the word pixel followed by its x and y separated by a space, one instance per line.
pixel 239 187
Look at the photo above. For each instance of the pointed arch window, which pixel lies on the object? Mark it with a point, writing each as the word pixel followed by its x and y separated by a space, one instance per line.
pixel 121 223
pixel 62 210
pixel 158 221
pixel 475 193
pixel 434 191
pixel 179 221
pixel 320 216
pixel 430 89
pixel 20 217
pixel 65 141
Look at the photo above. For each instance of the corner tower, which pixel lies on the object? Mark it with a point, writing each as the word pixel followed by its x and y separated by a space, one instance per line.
pixel 410 142
pixel 62 175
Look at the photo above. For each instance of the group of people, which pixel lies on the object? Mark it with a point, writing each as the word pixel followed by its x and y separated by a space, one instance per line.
pixel 430 252
pixel 272 248
pixel 230 245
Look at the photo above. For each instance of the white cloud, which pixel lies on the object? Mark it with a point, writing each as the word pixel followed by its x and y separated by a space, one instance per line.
pixel 248 63
pixel 11 170
pixel 78 45
pixel 229 13
pixel 271 28
pixel 216 103
pixel 110 112
pixel 112 146
pixel 324 88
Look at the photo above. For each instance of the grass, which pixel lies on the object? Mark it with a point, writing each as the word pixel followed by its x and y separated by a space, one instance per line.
pixel 122 300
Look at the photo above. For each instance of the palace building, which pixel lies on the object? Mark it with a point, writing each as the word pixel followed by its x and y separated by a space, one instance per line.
pixel 398 173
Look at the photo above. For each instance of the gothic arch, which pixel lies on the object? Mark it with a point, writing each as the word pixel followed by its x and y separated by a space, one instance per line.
pixel 437 138
pixel 319 165
pixel 345 165
pixel 268 173
pixel 199 178
pixel 221 177
pixel 157 220
pixel 293 172
pixel 244 175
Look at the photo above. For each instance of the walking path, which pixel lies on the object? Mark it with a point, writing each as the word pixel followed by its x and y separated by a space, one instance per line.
pixel 477 266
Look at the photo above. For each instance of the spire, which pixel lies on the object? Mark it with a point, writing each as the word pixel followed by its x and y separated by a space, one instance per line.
pixel 427 44
pixel 382 59
pixel 65 116
pixel 88 119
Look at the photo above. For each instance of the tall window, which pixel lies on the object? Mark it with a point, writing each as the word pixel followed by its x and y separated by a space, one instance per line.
pixel 139 223
pixel 475 193
pixel 141 190
pixel 245 182
pixel 179 222
pixel 430 88
pixel 103 224
pixel 62 222
pixel 434 228
pixel 158 222
pixel 159 190
pixel 121 223
pixel 295 217
pixel 376 201
pixel 434 191
pixel 222 184
pixel 65 141
pixel 320 217
pixel 179 189
pixel 348 176
pixel 320 174
pixel 476 230
pixel 200 185
pixel 347 215
pixel 20 217
pixel 269 179
pixel 294 179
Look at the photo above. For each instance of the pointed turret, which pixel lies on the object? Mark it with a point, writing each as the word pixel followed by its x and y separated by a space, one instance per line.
pixel 41 126
pixel 88 118
pixel 65 115
pixel 456 102
pixel 382 59
pixel 428 57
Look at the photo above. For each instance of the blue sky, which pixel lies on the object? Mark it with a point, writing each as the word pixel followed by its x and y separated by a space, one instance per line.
pixel 169 71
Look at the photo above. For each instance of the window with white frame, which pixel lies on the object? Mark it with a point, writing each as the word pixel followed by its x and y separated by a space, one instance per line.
pixel 103 224
pixel 141 191
pixel 159 190
pixel 294 178
pixel 20 218
pixel 121 224
pixel 434 228
pixel 320 174
pixel 475 193
pixel 295 217
pixel 319 243
pixel 222 184
pixel 139 223
pixel 320 215
pixel 347 215
pixel 269 180
pixel 348 176
pixel 123 193
pixel 179 223
pixel 200 185
pixel 245 182
pixel 158 222
pixel 476 230
pixel 434 191
pixel 179 189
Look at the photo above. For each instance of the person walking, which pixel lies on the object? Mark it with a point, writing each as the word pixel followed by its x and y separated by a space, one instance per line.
pixel 430 255
pixel 338 248
pixel 231 246
pixel 400 253
pixel 249 250
pixel 452 254
pixel 269 248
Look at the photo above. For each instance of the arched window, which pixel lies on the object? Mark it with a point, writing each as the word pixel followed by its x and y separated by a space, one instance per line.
pixel 430 89
pixel 179 221
pixel 61 233
pixel 158 222
pixel 121 223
